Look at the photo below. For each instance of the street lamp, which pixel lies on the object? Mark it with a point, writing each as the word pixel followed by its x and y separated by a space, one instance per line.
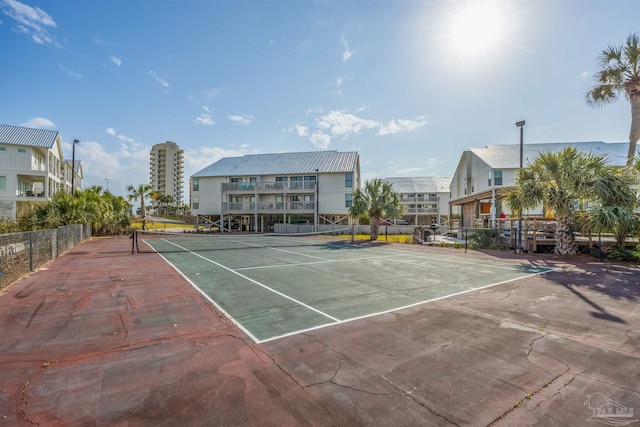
pixel 73 166
pixel 520 124
pixel 316 220
pixel 107 179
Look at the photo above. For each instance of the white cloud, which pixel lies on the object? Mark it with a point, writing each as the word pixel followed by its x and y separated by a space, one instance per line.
pixel 129 165
pixel 116 60
pixel 401 125
pixel 32 21
pixel 244 119
pixel 195 160
pixel 320 140
pixel 347 52
pixel 339 81
pixel 300 130
pixel 120 137
pixel 69 72
pixel 584 74
pixel 407 171
pixel 97 40
pixel 205 119
pixel 339 123
pixel 38 123
pixel 158 79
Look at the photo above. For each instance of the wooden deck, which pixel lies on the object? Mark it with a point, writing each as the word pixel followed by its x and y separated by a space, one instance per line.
pixel 538 235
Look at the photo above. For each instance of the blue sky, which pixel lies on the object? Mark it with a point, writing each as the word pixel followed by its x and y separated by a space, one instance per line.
pixel 408 84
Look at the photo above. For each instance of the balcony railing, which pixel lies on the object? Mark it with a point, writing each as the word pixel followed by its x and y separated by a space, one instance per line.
pixel 250 207
pixel 418 199
pixel 421 210
pixel 274 186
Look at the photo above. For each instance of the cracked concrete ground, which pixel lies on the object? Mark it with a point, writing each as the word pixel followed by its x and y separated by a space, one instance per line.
pixel 99 338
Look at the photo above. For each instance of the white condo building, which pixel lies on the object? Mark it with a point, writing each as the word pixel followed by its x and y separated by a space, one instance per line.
pixel 32 169
pixel 166 169
pixel 256 191
pixel 425 199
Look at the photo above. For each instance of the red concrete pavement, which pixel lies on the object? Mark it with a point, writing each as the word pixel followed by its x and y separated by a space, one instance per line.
pixel 102 337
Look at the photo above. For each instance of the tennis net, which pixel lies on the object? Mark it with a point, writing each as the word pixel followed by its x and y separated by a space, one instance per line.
pixel 154 241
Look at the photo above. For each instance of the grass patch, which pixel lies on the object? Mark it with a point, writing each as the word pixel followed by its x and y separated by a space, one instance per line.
pixel 159 226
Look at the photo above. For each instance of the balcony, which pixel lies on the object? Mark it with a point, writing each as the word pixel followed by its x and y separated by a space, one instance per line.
pixel 268 207
pixel 274 187
pixel 420 210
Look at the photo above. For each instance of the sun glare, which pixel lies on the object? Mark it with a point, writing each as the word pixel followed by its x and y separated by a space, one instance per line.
pixel 476 28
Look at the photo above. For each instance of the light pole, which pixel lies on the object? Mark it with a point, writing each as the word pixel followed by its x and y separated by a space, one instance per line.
pixel 73 167
pixel 316 220
pixel 107 179
pixel 520 124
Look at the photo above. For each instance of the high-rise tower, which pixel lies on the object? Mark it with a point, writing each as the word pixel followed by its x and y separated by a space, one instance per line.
pixel 166 170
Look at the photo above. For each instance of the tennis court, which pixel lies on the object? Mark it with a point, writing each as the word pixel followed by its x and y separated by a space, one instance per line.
pixel 277 286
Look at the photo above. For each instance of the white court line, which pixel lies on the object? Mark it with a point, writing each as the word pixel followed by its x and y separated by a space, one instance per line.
pixel 328 261
pixel 491 264
pixel 258 283
pixel 448 259
pixel 208 298
pixel 282 250
pixel 401 308
pixel 337 321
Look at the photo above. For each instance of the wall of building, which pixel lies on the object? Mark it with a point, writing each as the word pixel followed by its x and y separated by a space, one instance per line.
pixel 331 198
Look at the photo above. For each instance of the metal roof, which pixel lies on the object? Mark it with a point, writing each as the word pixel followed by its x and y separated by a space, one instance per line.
pixel 421 184
pixel 508 156
pixel 17 135
pixel 282 163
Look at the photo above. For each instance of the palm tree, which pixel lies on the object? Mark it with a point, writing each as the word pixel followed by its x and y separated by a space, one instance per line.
pixel 620 75
pixel 139 193
pixel 566 181
pixel 378 200
pixel 155 196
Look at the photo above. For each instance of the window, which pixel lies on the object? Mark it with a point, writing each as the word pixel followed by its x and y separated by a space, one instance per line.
pixel 310 178
pixel 22 150
pixel 196 202
pixel 3 148
pixel 348 180
pixel 281 178
pixel 196 184
pixel 497 177
pixel 348 200
pixel 236 180
pixel 3 182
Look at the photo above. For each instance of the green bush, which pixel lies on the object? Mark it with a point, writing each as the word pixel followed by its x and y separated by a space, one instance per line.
pixel 484 239
pixel 623 254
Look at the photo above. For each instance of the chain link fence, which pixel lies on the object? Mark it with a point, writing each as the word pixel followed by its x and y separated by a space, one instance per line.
pixel 24 252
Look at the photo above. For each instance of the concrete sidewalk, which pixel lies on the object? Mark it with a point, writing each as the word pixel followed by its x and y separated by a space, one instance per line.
pixel 102 337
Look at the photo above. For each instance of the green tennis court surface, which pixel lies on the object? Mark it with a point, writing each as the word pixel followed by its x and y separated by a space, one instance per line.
pixel 276 291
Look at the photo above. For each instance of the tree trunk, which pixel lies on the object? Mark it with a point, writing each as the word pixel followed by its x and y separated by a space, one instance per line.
pixel 634 135
pixel 375 228
pixel 565 239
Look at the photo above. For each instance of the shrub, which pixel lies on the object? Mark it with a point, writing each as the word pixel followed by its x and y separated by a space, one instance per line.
pixel 485 239
pixel 623 254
